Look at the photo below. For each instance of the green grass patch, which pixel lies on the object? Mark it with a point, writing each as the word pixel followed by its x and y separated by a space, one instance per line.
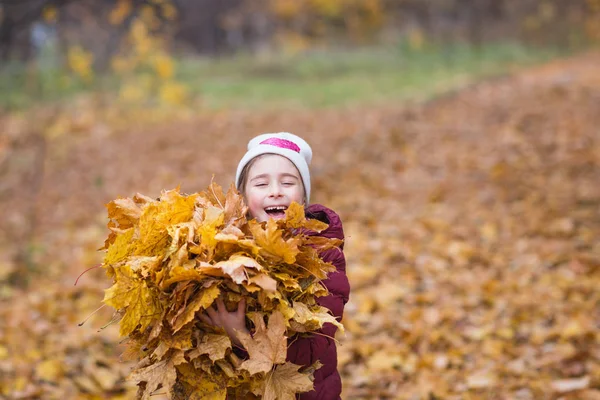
pixel 316 79
pixel 341 78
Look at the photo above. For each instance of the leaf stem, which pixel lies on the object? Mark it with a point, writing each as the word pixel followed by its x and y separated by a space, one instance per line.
pixel 95 266
pixel 89 316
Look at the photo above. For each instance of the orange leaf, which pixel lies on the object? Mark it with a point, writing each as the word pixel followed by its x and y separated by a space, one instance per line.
pixel 271 241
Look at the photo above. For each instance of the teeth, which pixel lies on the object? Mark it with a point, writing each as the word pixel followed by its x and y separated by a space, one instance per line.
pixel 276 208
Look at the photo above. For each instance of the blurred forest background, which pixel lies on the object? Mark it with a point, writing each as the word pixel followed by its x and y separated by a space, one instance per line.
pixel 50 49
pixel 458 140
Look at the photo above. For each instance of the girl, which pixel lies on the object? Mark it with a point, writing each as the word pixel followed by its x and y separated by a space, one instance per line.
pixel 273 173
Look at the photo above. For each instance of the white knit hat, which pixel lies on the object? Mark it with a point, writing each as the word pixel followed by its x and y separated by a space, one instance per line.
pixel 285 144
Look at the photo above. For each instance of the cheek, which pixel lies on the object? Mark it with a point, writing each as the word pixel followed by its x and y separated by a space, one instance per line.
pixel 253 201
pixel 298 195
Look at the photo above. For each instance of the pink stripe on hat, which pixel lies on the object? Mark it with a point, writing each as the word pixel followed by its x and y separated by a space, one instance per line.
pixel 282 143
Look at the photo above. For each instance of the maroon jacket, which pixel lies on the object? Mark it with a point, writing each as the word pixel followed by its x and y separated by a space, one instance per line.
pixel 307 350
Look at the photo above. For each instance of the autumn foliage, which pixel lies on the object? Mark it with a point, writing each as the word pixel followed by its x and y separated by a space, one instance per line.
pixel 171 258
pixel 472 227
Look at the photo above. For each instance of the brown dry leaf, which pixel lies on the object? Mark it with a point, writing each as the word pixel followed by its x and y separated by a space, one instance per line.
pixel 235 209
pixel 268 345
pixel 285 381
pixel 160 374
pixel 215 346
pixel 180 340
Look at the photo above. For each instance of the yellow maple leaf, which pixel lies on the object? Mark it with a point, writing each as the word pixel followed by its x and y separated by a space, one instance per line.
pixel 180 274
pixel 310 262
pixel 122 214
pixel 132 295
pixel 210 270
pixel 231 234
pixel 287 311
pixel 181 340
pixel 271 241
pixel 212 344
pixel 295 217
pixel 264 281
pixel 315 289
pixel 268 346
pixel 144 266
pixel 289 283
pixel 173 208
pixel 181 234
pixel 235 267
pixel 321 243
pixel 202 300
pixel 315 318
pixel 162 373
pixel 284 382
pixel 249 246
pixel 120 248
pixel 196 384
pixel 213 218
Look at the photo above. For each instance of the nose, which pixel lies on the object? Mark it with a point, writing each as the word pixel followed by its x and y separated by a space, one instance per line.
pixel 275 190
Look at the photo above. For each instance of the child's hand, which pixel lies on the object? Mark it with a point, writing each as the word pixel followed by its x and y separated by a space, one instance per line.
pixel 230 321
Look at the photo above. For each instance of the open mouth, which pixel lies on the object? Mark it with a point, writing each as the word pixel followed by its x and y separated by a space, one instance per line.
pixel 276 211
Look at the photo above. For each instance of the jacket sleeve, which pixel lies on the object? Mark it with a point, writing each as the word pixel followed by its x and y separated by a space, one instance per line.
pixel 305 350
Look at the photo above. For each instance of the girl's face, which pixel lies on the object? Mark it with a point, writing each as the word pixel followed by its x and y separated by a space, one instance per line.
pixel 273 183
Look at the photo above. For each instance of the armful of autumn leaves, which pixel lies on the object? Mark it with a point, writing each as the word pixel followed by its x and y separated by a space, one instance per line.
pixel 171 258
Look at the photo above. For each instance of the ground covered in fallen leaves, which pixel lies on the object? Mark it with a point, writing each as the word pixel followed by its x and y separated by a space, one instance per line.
pixel 472 225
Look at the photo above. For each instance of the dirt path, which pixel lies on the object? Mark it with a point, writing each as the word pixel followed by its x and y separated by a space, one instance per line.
pixel 472 227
